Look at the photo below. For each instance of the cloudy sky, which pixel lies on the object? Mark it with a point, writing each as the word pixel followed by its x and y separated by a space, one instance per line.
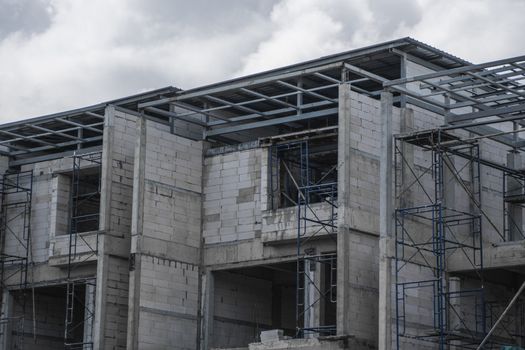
pixel 62 54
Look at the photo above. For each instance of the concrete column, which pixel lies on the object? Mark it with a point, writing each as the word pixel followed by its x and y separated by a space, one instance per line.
pixel 89 309
pixel 208 310
pixel 5 321
pixel 311 296
pixel 343 212
pixel 514 213
pixel 407 160
pixel 137 214
pixel 105 176
pixel 105 221
pixel 385 225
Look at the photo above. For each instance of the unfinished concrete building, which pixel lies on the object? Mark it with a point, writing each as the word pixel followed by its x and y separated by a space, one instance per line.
pixel 371 199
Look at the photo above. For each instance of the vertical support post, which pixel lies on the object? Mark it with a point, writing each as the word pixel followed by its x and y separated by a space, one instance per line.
pixel 407 150
pixel 208 305
pixel 403 74
pixel 343 211
pixel 137 215
pixel 310 297
pixel 104 225
pixel 89 309
pixel 514 212
pixel 385 225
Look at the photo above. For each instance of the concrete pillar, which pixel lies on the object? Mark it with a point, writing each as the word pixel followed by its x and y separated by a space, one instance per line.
pixel 407 160
pixel 136 236
pixel 89 309
pixel 207 310
pixel 105 220
pixel 343 212
pixel 100 301
pixel 514 211
pixel 385 225
pixel 5 321
pixel 312 301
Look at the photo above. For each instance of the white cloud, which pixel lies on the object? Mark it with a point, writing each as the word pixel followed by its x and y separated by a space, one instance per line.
pixel 84 52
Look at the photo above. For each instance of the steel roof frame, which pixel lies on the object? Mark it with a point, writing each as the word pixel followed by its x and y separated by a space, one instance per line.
pixel 292 95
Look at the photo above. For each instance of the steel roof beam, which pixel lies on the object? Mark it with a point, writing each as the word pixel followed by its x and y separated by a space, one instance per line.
pixel 83 126
pixel 58 145
pixel 32 138
pixel 197 110
pixel 270 122
pixel 246 83
pixel 273 112
pixel 308 92
pixel 176 116
pixel 233 105
pixel 55 132
pixel 453 71
pixel 268 98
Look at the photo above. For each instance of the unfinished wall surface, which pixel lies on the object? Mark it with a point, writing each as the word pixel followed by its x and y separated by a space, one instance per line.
pixel 242 309
pixel 232 196
pixel 164 285
pixel 113 250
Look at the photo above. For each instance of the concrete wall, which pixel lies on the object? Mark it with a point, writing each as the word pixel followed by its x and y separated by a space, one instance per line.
pixel 111 316
pixel 232 196
pixel 164 285
pixel 242 308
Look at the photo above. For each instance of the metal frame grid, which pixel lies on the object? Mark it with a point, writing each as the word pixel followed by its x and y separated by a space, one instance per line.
pixel 60 135
pixel 16 194
pixel 474 96
pixel 75 258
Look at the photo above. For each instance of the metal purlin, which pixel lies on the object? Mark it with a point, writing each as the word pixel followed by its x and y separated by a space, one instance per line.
pixel 20 186
pixel 432 249
pixel 75 258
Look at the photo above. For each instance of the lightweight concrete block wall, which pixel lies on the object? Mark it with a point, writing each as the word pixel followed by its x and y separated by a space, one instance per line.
pixel 164 288
pixel 111 314
pixel 114 300
pixel 232 196
pixel 168 305
pixel 242 308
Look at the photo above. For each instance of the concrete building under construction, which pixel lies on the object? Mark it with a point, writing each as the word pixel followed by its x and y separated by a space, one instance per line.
pixel 371 199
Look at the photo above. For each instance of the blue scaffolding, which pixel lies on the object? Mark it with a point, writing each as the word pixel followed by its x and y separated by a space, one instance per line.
pixel 430 232
pixel 292 184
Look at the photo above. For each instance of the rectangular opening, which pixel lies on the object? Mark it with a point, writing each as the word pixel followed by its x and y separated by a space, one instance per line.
pixel 42 325
pixel 76 197
pixel 302 171
pixel 85 200
pixel 264 297
pixel 253 299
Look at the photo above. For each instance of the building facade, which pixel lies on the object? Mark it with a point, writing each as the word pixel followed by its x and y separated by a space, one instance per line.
pixel 366 200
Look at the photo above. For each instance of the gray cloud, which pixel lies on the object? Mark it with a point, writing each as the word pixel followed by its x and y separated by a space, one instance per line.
pixel 25 17
pixel 62 54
